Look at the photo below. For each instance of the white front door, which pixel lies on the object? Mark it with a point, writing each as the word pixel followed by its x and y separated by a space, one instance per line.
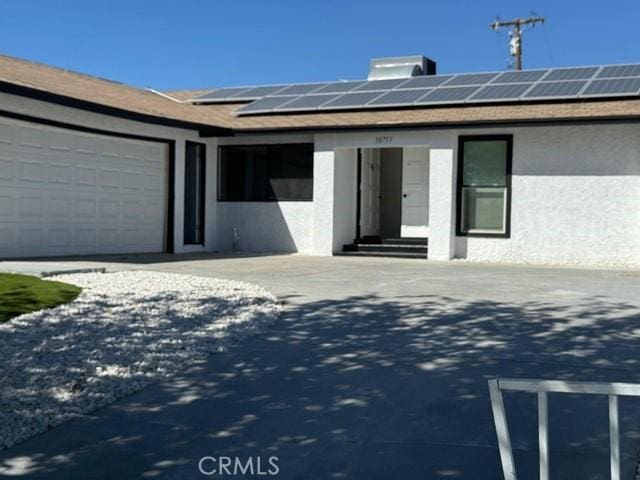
pixel 370 193
pixel 415 192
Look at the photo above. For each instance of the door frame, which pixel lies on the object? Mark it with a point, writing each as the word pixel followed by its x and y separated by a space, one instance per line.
pixel 359 186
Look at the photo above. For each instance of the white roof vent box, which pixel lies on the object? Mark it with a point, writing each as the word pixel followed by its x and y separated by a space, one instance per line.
pixel 401 67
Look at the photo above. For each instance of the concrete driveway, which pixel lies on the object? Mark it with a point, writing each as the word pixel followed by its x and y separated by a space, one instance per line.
pixel 378 369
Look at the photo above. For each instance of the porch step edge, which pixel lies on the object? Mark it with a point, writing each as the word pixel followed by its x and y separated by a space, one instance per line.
pixel 421 256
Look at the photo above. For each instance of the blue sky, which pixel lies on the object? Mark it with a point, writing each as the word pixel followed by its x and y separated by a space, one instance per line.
pixel 205 43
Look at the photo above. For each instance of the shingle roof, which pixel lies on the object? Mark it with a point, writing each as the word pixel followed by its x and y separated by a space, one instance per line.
pixel 44 78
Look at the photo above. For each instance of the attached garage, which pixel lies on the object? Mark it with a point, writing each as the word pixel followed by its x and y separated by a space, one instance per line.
pixel 71 192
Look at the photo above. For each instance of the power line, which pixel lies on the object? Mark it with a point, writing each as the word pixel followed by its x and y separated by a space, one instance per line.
pixel 515 34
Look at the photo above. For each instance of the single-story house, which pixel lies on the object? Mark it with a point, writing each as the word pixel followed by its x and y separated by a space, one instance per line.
pixel 534 166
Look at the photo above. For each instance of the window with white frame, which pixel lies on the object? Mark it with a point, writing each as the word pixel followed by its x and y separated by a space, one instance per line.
pixel 484 182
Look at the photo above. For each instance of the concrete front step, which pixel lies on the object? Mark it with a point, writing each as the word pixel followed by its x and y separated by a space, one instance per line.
pixel 405 241
pixel 421 256
pixel 392 254
pixel 396 248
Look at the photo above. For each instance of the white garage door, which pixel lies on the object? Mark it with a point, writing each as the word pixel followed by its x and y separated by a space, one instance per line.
pixel 64 192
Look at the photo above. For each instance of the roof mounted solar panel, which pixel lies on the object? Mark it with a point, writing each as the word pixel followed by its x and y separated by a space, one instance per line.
pixel 257 92
pixel 266 104
pixel 474 88
pixel 446 95
pixel 471 79
pixel 373 85
pixel 619 71
pixel 398 98
pixel 307 102
pixel 222 94
pixel 351 100
pixel 339 87
pixel 500 92
pixel 581 73
pixel 519 76
pixel 613 86
pixel 426 81
pixel 301 89
pixel 549 90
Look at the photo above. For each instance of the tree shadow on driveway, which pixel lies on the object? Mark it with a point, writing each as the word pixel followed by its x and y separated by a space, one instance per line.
pixel 372 387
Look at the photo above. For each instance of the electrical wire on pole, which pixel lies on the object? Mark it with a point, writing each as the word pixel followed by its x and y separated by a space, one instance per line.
pixel 515 34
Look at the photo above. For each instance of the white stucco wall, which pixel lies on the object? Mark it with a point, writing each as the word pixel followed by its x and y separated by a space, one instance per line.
pixel 345 201
pixel 575 199
pixel 266 226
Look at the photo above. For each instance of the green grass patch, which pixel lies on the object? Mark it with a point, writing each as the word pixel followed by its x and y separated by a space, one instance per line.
pixel 23 294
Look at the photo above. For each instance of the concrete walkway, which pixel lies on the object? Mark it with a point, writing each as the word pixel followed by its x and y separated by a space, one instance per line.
pixel 378 369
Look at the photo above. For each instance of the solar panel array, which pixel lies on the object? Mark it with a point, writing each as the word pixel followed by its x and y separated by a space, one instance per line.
pixel 510 86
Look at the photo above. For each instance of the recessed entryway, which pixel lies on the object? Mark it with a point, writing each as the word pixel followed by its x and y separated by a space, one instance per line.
pixel 393 202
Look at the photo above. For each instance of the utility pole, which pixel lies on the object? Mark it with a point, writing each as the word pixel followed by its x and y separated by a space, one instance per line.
pixel 515 34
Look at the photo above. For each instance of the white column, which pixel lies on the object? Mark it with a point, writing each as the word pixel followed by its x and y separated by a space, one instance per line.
pixel 323 186
pixel 442 204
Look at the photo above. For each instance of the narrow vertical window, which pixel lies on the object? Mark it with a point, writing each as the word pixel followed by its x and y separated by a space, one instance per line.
pixel 194 193
pixel 484 182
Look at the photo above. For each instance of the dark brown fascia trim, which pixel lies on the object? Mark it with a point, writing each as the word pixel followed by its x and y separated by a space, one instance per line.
pixel 544 122
pixel 36 94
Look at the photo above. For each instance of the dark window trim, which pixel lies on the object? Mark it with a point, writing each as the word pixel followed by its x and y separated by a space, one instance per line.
pixel 359 195
pixel 203 188
pixel 267 200
pixel 461 140
pixel 171 144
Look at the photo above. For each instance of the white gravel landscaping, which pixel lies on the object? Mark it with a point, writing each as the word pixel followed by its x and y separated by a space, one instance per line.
pixel 125 331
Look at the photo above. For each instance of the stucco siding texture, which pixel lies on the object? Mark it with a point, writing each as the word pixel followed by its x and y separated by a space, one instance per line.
pixel 575 199
pixel 265 227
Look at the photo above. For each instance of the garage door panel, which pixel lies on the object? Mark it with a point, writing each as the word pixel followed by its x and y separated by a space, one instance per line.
pixel 6 168
pixel 109 178
pixel 7 205
pixel 131 180
pixel 6 133
pixel 31 137
pixel 59 237
pixel 31 206
pixel 60 208
pixel 64 192
pixel 31 236
pixel 86 144
pixel 61 141
pixel 60 173
pixel 32 171
pixel 86 175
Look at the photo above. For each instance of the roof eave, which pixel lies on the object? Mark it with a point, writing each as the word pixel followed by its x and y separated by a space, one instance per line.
pixel 515 122
pixel 67 101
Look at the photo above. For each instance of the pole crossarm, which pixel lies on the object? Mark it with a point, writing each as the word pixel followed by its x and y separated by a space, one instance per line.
pixel 515 31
